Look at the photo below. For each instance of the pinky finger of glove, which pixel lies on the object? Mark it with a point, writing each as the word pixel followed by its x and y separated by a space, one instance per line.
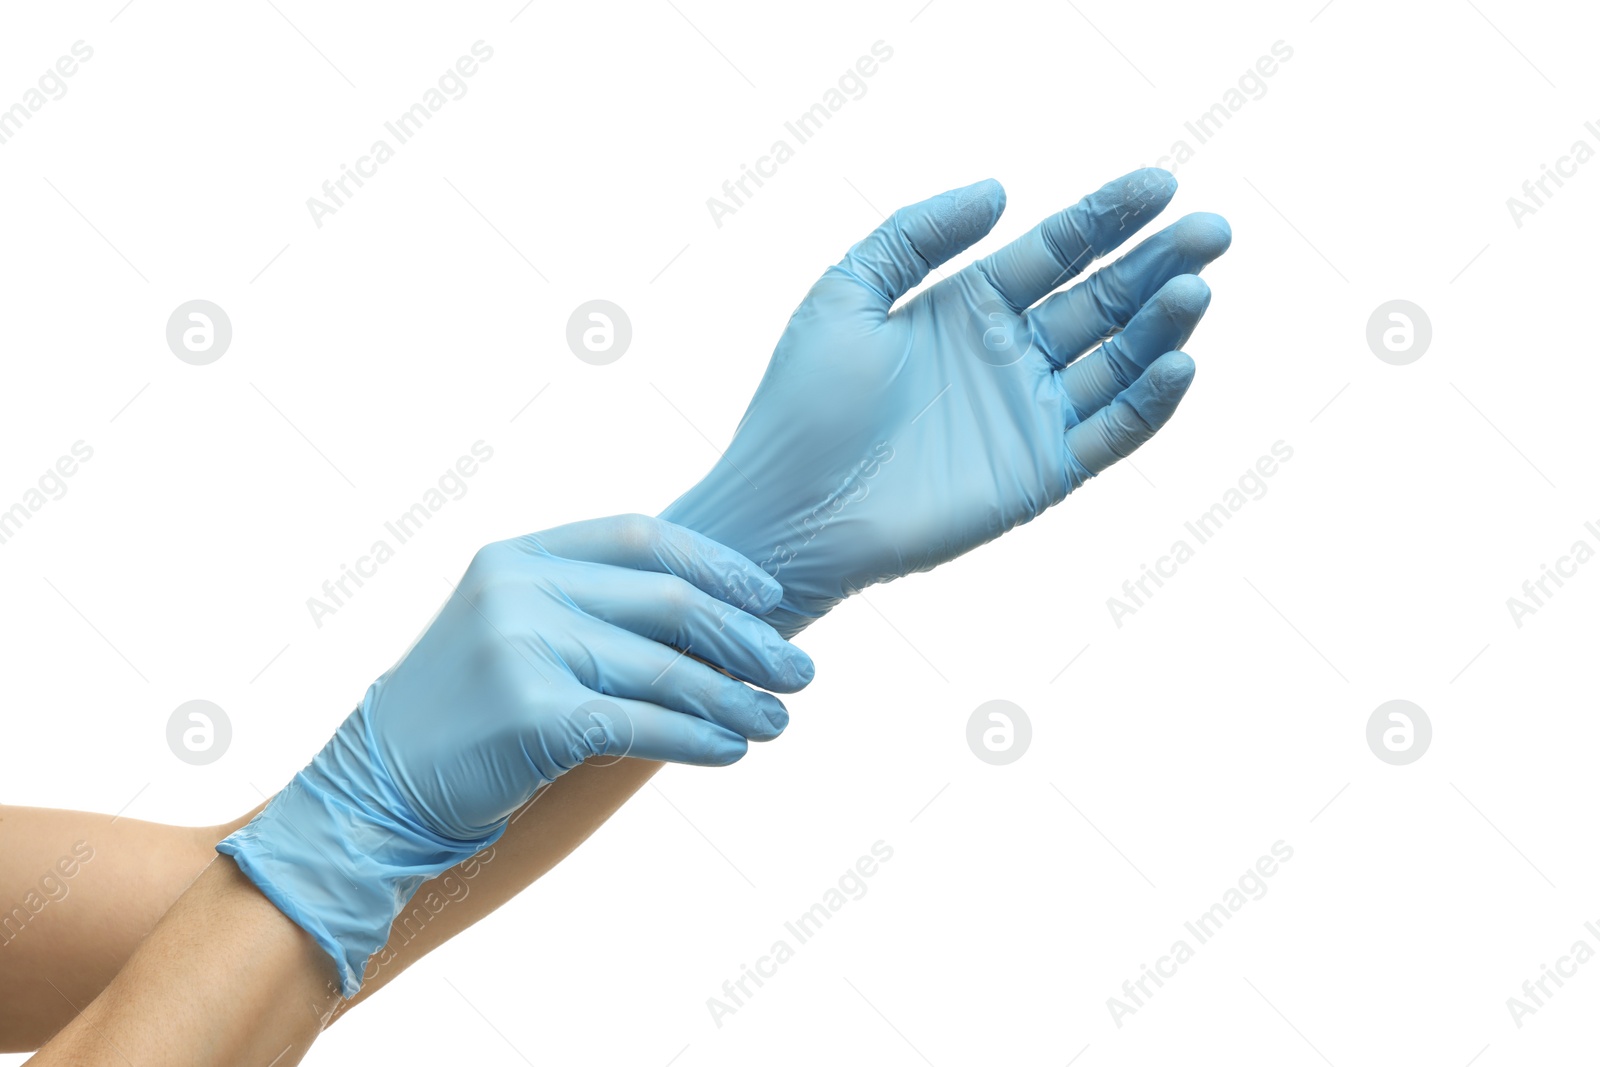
pixel 1131 419
pixel 608 728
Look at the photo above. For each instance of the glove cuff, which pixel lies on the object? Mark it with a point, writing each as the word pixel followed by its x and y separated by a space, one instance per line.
pixel 715 512
pixel 340 853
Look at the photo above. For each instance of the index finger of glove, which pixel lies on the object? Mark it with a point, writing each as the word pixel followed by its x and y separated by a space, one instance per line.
pixel 642 543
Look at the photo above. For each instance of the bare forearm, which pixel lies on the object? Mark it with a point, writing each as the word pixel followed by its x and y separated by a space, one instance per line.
pixel 78 892
pixel 89 924
pixel 224 978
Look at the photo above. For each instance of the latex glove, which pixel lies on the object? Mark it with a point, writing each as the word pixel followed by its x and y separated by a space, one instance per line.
pixel 883 442
pixel 554 648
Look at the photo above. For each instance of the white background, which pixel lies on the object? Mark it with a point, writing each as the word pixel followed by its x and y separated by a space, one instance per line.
pixel 1175 750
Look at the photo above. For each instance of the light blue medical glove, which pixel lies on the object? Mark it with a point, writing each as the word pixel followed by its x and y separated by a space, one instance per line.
pixel 554 648
pixel 882 442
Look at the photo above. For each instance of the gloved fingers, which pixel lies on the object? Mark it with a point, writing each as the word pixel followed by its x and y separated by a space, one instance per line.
pixel 1063 245
pixel 1078 318
pixel 1164 324
pixel 895 257
pixel 669 610
pixel 1129 420
pixel 613 727
pixel 643 543
pixel 641 669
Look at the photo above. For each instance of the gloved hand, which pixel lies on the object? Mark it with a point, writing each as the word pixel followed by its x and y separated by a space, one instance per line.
pixel 555 647
pixel 883 442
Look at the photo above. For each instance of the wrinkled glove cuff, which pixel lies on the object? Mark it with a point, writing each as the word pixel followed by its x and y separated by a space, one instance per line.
pixel 339 852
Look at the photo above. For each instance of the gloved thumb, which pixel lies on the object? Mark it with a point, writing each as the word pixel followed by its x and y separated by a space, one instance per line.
pixel 896 256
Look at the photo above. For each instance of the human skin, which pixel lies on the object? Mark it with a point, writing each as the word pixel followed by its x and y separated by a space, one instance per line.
pixel 223 978
pixel 63 957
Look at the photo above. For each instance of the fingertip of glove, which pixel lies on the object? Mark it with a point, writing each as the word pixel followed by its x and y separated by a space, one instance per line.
pixel 1204 235
pixel 964 217
pixel 996 193
pixel 775 713
pixel 1172 374
pixel 1186 294
pixel 802 667
pixel 729 750
pixel 769 594
pixel 1146 183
